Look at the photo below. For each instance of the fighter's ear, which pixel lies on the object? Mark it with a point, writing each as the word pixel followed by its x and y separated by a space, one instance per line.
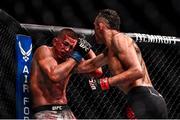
pixel 101 25
pixel 54 41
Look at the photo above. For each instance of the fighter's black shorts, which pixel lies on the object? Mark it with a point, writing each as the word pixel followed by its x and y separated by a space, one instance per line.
pixel 145 103
pixel 53 112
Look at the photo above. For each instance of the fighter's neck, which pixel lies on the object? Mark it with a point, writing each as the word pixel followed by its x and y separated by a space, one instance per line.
pixel 109 36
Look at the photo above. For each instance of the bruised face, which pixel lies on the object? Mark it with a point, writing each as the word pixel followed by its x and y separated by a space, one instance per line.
pixel 64 46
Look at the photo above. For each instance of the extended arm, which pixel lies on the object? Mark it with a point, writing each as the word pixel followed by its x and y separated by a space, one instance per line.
pixel 129 59
pixel 92 64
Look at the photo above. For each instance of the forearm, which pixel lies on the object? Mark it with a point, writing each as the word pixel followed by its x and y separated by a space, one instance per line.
pixel 122 78
pixel 92 64
pixel 86 66
pixel 90 55
pixel 62 71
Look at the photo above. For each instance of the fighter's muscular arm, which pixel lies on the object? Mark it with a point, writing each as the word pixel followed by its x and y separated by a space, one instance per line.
pixel 128 57
pixel 90 54
pixel 92 64
pixel 56 72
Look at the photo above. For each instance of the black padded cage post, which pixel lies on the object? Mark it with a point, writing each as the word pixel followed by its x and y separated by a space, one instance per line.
pixel 161 55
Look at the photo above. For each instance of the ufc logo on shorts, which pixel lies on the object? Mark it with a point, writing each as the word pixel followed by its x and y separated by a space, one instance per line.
pixel 57 108
pixel 92 84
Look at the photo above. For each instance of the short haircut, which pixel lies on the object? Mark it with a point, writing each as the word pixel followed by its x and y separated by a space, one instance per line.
pixel 67 31
pixel 112 18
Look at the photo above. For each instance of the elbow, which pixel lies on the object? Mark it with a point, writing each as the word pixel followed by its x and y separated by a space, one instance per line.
pixel 54 77
pixel 138 72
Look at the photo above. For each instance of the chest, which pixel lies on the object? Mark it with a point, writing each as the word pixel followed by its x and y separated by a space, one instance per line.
pixel 114 63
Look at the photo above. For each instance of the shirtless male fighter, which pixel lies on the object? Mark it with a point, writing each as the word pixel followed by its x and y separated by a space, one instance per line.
pixel 129 72
pixel 50 73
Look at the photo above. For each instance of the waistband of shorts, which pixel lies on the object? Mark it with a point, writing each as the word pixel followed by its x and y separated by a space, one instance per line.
pixel 52 107
pixel 141 89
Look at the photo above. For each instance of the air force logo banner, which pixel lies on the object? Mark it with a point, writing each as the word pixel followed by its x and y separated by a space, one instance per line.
pixel 24 58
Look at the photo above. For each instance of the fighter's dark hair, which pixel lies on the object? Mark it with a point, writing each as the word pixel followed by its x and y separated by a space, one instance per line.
pixel 112 18
pixel 68 31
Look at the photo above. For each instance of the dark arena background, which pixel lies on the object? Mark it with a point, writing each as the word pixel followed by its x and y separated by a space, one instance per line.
pixel 153 24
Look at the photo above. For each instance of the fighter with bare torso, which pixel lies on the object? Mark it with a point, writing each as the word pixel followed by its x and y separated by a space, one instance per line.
pixel 50 73
pixel 129 72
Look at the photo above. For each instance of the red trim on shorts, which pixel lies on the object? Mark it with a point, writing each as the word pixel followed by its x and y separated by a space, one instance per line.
pixel 130 113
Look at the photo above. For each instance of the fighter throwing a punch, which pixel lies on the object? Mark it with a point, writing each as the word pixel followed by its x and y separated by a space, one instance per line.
pixel 51 70
pixel 127 67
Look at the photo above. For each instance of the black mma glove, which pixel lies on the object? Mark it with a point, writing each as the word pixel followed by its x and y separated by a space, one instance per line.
pixel 99 84
pixel 81 49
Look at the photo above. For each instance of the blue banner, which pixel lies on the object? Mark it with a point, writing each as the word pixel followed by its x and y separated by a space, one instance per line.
pixel 24 58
